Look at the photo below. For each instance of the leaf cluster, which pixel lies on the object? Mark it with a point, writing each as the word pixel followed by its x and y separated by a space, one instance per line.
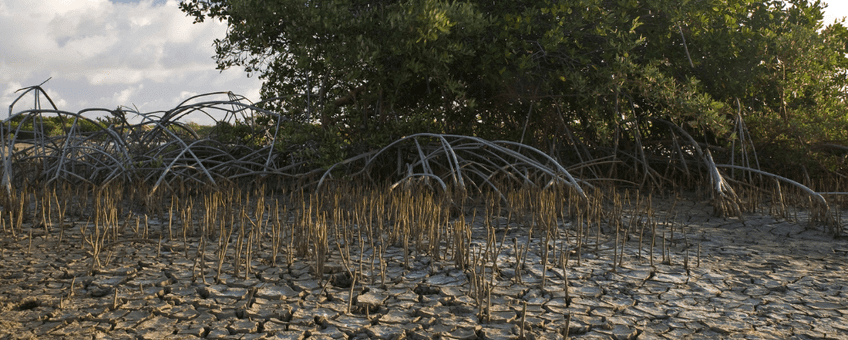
pixel 543 72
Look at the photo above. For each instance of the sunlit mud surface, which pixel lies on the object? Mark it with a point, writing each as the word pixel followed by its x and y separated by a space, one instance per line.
pixel 703 277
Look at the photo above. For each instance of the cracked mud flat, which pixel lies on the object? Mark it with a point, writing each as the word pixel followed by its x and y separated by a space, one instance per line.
pixel 766 278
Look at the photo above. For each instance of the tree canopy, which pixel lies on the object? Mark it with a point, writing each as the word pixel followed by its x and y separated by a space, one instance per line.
pixel 547 72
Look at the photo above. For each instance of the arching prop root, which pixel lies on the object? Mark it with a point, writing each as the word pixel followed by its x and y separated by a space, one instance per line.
pixel 465 162
pixel 130 146
pixel 724 199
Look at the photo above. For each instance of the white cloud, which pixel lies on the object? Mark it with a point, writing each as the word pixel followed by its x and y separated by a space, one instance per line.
pixel 103 53
pixel 836 10
pixel 57 98
pixel 184 95
pixel 9 95
pixel 123 97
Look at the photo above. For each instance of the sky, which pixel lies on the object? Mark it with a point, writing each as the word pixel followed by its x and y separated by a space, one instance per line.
pixel 136 53
pixel 100 53
pixel 836 9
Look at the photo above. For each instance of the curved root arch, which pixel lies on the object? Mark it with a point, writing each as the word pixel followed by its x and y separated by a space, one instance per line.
pixel 131 145
pixel 465 161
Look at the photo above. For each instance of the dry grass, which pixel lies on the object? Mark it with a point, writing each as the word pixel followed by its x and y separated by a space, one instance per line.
pixel 344 232
pixel 451 198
